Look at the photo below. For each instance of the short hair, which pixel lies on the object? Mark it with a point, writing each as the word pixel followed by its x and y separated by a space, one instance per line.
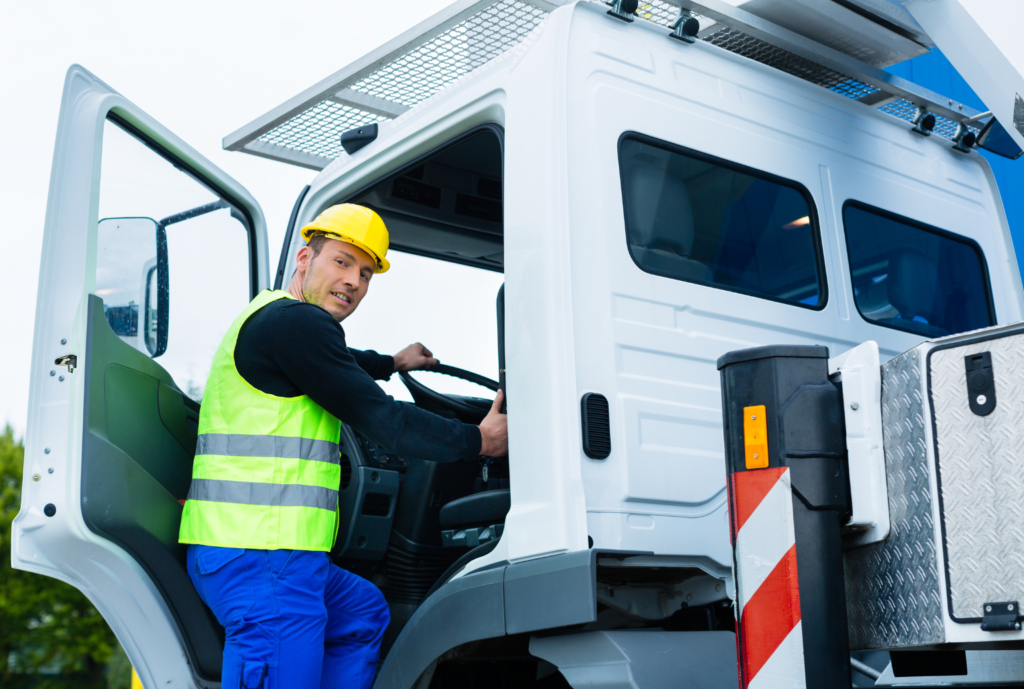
pixel 316 244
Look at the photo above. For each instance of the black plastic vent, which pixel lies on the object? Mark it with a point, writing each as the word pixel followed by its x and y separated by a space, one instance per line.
pixel 416 192
pixel 346 471
pixel 597 436
pixel 475 207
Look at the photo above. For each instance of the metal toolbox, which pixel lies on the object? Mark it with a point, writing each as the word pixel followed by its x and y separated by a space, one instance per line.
pixel 952 567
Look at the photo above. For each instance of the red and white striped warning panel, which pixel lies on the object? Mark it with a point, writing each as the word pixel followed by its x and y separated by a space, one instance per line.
pixel 771 641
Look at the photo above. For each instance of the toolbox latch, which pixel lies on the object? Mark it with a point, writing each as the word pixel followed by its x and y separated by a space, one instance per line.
pixel 1001 617
pixel 981 385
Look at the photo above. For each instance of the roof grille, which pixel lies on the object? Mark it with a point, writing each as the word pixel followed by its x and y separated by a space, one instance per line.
pixel 424 71
pixel 318 130
pixel 657 11
pixel 761 51
pixel 782 60
pixel 307 130
pixel 905 110
pixel 412 68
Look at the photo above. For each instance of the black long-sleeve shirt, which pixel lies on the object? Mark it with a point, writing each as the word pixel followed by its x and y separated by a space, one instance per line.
pixel 290 348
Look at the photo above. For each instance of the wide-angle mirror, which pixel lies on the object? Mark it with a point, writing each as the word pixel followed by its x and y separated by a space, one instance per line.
pixel 132 280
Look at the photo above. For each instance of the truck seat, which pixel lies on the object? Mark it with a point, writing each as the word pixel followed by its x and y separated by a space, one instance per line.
pixel 912 284
pixel 661 224
pixel 480 509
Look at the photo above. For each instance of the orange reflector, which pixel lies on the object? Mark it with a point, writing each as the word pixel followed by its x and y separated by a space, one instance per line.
pixel 755 437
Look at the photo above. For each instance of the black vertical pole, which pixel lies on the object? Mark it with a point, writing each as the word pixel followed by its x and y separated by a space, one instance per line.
pixel 806 433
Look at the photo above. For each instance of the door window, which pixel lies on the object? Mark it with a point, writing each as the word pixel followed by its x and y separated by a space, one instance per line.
pixel 912 277
pixel 172 258
pixel 701 219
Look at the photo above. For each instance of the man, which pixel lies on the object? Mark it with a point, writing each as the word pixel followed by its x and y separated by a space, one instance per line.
pixel 261 513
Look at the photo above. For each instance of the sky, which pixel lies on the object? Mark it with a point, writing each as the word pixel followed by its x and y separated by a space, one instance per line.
pixel 204 69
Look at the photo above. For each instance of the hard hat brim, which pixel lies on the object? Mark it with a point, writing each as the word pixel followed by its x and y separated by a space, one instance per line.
pixel 310 231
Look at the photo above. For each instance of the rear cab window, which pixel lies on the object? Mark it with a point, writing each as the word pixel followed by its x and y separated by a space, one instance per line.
pixel 914 277
pixel 693 217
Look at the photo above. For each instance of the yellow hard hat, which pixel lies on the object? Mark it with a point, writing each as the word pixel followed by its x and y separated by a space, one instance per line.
pixel 356 225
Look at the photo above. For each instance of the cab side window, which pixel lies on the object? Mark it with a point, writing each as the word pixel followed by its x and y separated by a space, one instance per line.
pixel 701 219
pixel 912 277
pixel 172 258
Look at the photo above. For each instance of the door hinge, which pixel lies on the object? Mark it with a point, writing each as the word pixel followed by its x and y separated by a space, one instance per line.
pixel 1001 617
pixel 69 360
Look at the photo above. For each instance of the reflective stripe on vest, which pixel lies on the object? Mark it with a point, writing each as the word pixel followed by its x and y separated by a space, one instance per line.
pixel 237 445
pixel 243 493
pixel 267 469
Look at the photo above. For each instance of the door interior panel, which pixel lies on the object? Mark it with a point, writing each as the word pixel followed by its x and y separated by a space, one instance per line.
pixel 128 394
pixel 139 444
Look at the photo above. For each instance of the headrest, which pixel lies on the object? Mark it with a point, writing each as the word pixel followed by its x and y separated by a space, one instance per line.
pixel 912 283
pixel 660 211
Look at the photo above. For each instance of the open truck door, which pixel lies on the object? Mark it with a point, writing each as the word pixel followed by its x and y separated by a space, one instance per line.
pixel 149 253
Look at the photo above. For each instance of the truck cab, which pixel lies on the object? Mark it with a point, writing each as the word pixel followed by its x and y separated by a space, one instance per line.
pixel 645 202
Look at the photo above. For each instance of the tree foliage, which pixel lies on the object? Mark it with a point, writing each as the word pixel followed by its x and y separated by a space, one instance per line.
pixel 48 629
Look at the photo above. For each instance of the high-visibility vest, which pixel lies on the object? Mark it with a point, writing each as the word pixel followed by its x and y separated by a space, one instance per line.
pixel 267 469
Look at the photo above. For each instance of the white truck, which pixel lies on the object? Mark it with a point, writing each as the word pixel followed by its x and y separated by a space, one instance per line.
pixel 658 185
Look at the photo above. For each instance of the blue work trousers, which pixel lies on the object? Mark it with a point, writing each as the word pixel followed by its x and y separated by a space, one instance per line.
pixel 292 618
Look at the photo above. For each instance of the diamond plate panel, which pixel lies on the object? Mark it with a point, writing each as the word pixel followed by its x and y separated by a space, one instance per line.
pixel 981 473
pixel 892 587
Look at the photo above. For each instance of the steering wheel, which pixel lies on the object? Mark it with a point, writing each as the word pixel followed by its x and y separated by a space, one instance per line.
pixel 466 409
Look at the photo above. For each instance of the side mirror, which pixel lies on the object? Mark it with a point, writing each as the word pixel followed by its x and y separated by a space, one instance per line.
pixel 994 138
pixel 132 277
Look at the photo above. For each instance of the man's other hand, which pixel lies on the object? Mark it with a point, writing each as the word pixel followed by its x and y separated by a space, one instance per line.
pixel 415 357
pixel 494 430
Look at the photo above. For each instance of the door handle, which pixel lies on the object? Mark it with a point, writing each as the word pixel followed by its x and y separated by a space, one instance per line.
pixel 69 360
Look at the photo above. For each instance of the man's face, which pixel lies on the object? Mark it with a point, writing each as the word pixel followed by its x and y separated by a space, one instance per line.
pixel 337 278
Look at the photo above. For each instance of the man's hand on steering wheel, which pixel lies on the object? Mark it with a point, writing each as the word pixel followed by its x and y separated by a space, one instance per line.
pixel 494 430
pixel 415 357
pixel 493 426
